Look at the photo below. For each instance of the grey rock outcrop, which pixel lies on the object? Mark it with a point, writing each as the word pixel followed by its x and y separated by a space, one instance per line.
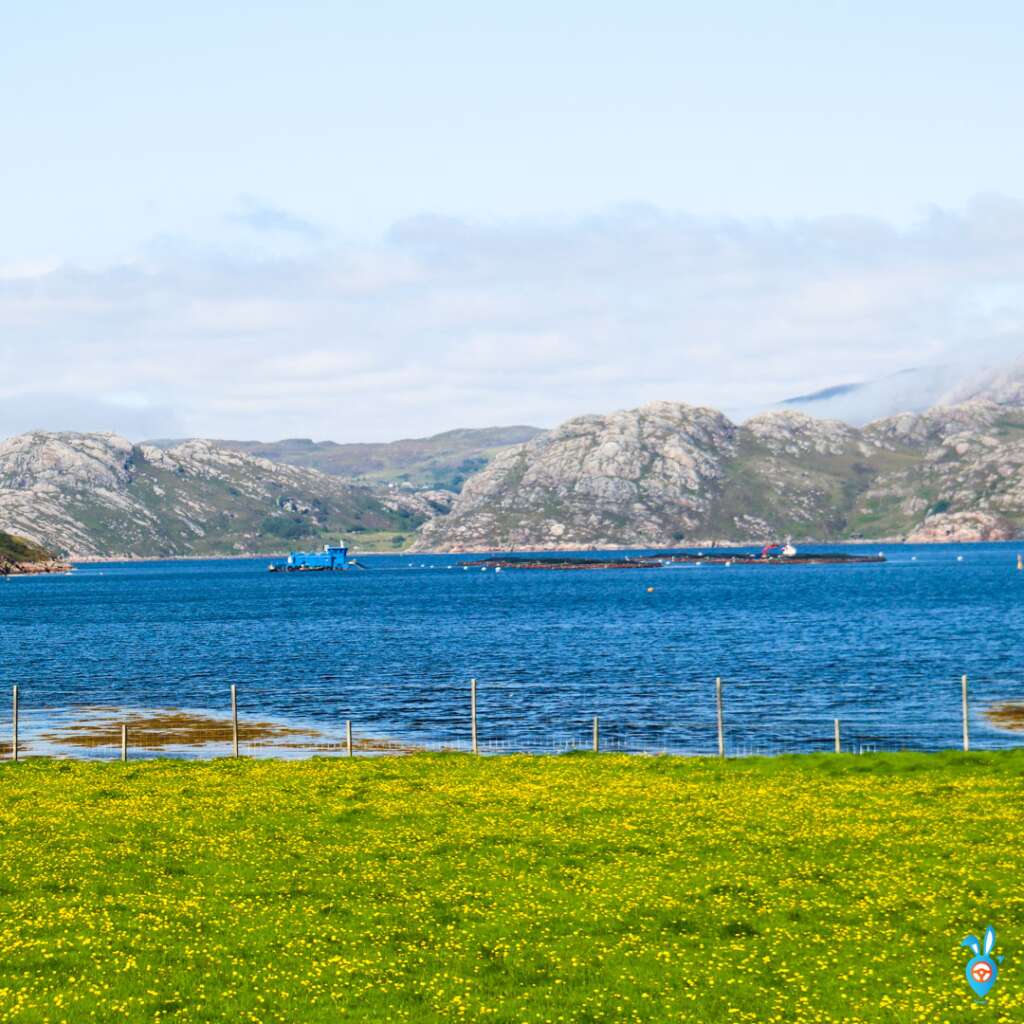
pixel 963 527
pixel 99 495
pixel 594 481
pixel 668 474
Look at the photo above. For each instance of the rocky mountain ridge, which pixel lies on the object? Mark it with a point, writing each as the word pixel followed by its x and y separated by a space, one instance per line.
pixel 100 495
pixel 664 475
pixel 669 474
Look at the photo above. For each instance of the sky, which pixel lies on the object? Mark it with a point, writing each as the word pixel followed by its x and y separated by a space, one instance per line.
pixel 369 221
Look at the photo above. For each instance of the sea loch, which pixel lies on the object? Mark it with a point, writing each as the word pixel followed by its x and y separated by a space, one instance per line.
pixel 882 647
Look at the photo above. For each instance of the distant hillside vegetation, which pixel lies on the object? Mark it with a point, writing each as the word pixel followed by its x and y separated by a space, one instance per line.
pixel 444 461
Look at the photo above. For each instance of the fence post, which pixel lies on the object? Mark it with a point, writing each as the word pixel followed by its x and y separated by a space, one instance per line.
pixel 234 721
pixel 124 741
pixel 348 736
pixel 597 735
pixel 472 715
pixel 721 728
pixel 967 728
pixel 839 747
pixel 14 723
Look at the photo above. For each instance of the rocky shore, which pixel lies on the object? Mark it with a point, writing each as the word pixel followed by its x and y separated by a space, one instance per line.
pixel 8 568
pixel 20 556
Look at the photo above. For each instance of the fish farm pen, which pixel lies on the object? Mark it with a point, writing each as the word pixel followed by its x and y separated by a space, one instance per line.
pixel 661 559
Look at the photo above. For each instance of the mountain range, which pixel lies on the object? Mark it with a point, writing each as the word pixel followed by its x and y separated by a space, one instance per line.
pixel 668 474
pixel 443 461
pixel 665 474
pixel 99 495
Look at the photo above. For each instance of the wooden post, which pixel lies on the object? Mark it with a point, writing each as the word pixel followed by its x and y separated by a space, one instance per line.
pixel 472 715
pixel 348 736
pixel 721 727
pixel 14 723
pixel 124 741
pixel 967 728
pixel 839 747
pixel 234 721
pixel 597 735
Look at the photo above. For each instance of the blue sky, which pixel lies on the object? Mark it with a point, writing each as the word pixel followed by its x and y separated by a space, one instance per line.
pixel 362 221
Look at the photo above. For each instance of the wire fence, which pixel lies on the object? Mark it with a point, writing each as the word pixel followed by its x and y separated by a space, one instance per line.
pixel 112 733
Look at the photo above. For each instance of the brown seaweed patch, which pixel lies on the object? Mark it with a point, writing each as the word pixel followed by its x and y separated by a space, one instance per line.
pixel 167 728
pixel 1008 714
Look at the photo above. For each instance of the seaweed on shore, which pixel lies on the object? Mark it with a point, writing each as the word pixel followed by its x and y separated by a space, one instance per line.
pixel 1008 715
pixel 164 728
pixel 167 728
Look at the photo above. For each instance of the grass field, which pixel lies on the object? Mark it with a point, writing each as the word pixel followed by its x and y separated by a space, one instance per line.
pixel 451 888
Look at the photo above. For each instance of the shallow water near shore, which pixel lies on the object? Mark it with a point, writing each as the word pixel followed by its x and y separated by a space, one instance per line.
pixel 881 647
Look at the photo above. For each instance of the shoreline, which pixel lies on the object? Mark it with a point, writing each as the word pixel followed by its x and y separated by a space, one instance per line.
pixel 719 545
pixel 10 569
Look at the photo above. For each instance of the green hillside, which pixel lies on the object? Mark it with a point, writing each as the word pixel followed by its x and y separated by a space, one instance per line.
pixel 17 549
pixel 442 461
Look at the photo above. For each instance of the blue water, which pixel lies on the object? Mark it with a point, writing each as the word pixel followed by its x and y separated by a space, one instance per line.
pixel 881 647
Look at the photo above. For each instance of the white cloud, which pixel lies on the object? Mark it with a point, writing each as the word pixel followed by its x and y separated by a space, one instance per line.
pixel 514 352
pixel 60 410
pixel 27 268
pixel 262 216
pixel 444 323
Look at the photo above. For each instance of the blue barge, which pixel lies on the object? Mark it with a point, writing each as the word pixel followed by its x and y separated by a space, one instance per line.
pixel 332 558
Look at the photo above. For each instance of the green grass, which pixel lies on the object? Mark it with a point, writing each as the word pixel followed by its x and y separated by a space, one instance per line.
pixel 451 888
pixel 379 540
pixel 18 549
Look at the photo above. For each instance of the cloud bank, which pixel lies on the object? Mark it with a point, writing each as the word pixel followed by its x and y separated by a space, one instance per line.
pixel 444 323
